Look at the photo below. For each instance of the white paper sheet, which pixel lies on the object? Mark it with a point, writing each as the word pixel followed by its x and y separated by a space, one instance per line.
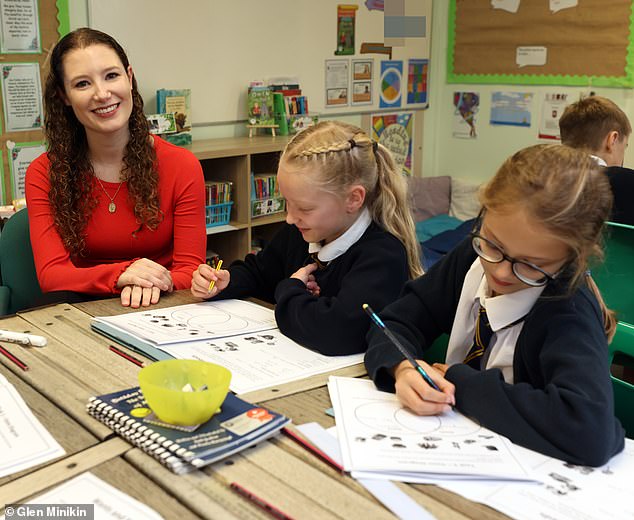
pixel 110 503
pixel 24 442
pixel 262 359
pixel 377 435
pixel 568 492
pixel 386 492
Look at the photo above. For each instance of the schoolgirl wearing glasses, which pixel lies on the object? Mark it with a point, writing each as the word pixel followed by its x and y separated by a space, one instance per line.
pixel 527 354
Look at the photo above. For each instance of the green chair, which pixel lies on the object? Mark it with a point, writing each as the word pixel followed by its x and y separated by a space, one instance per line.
pixel 621 353
pixel 615 277
pixel 19 288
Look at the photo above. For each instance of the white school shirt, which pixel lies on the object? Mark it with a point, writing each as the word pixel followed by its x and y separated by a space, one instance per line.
pixel 502 311
pixel 341 244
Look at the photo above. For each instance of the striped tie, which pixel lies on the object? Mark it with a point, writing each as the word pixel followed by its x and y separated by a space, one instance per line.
pixel 481 339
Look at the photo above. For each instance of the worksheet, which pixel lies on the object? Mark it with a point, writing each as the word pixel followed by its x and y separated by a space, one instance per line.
pixel 24 442
pixel 380 438
pixel 261 359
pixel 205 320
pixel 72 497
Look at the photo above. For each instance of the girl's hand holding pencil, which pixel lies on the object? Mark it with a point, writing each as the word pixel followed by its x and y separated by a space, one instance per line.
pixel 208 281
pixel 414 392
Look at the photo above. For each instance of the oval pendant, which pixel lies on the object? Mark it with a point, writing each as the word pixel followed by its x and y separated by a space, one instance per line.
pixel 112 207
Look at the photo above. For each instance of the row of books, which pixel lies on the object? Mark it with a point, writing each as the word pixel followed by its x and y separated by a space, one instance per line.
pixel 237 426
pixel 264 186
pixel 217 192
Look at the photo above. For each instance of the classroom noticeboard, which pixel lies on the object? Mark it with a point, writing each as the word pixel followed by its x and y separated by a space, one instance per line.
pixel 587 43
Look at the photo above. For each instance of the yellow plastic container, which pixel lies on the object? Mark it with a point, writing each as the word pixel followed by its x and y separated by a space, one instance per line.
pixel 162 386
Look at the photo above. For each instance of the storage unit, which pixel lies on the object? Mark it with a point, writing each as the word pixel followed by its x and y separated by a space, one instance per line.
pixel 233 159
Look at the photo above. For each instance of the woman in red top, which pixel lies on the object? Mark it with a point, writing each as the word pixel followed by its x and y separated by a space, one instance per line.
pixel 112 209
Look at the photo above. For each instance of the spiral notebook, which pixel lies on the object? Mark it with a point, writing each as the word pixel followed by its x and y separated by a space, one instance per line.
pixel 238 425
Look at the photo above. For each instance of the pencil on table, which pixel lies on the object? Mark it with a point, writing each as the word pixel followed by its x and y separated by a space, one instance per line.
pixel 14 358
pixel 213 282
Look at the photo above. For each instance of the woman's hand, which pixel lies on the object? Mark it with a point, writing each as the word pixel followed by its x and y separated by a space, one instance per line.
pixel 135 296
pixel 147 274
pixel 203 276
pixel 414 392
pixel 305 274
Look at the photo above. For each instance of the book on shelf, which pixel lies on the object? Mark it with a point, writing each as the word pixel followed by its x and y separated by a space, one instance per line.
pixel 242 336
pixel 260 105
pixel 238 425
pixel 217 192
pixel 178 102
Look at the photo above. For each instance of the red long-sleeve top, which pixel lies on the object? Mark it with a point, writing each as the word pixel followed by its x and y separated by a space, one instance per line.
pixel 178 243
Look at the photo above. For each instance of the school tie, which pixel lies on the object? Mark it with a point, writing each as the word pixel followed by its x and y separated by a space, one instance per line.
pixel 312 257
pixel 481 339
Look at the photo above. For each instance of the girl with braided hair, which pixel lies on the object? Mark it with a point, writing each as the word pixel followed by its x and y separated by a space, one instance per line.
pixel 349 240
pixel 112 209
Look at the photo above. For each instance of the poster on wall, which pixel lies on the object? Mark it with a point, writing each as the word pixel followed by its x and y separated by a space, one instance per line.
pixel 362 73
pixel 19 27
pixel 511 108
pixel 391 84
pixel 20 156
pixel 466 106
pixel 346 14
pixel 395 132
pixel 417 81
pixel 553 106
pixel 21 96
pixel 337 79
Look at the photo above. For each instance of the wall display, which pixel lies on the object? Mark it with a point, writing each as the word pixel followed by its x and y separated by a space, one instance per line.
pixel 362 80
pixel 337 79
pixel 19 27
pixel 20 156
pixel 222 49
pixel 560 42
pixel 395 132
pixel 391 84
pixel 466 106
pixel 417 81
pixel 511 108
pixel 553 106
pixel 21 96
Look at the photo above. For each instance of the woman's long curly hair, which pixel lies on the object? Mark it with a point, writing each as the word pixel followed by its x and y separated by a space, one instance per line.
pixel 71 172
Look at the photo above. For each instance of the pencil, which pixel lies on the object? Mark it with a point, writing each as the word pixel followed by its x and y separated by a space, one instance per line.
pixel 213 282
pixel 399 346
pixel 13 358
pixel 127 356
pixel 261 503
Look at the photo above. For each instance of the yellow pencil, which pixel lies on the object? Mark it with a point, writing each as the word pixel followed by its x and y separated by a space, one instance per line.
pixel 213 282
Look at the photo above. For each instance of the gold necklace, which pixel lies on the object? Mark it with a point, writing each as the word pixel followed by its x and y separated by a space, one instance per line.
pixel 112 207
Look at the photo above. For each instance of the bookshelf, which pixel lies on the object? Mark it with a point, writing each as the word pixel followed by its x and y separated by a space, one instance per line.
pixel 233 159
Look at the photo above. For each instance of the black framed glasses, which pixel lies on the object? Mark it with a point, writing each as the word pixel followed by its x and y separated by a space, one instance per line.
pixel 525 272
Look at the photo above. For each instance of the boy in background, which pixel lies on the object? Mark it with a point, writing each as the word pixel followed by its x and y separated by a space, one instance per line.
pixel 600 127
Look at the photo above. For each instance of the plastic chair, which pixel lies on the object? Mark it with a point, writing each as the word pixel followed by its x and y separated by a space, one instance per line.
pixel 437 352
pixel 615 277
pixel 20 287
pixel 621 352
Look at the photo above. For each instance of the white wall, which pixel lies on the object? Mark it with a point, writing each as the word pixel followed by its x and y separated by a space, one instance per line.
pixel 479 158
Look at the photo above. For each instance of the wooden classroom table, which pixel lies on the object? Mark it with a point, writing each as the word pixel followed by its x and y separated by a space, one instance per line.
pixel 77 364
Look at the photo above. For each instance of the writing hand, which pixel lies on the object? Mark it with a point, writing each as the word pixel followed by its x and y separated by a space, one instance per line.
pixel 202 277
pixel 414 393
